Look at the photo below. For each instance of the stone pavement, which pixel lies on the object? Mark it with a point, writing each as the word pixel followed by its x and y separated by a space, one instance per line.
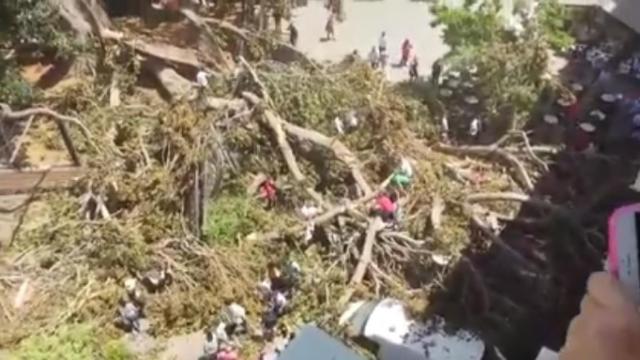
pixel 365 20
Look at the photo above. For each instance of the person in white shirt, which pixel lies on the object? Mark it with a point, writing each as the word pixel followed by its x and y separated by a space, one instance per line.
pixel 382 43
pixel 202 79
pixel 474 128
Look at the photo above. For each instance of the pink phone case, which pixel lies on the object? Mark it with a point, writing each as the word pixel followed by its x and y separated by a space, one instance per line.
pixel 613 258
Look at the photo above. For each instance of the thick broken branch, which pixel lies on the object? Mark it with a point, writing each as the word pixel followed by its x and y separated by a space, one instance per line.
pixel 511 196
pixel 491 151
pixel 339 149
pixel 6 114
pixel 375 225
pixel 246 35
pixel 275 124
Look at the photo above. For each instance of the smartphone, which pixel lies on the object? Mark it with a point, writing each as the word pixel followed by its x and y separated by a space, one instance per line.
pixel 623 258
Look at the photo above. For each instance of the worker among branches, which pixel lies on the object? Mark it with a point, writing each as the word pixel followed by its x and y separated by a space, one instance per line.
pixel 401 178
pixel 131 307
pixel 268 192
pixel 133 293
pixel 129 316
pixel 386 206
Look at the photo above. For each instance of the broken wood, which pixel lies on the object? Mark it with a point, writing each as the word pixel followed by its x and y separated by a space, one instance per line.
pixel 530 151
pixel 375 225
pixel 167 52
pixel 275 124
pixel 491 151
pixel 6 114
pixel 247 35
pixel 512 196
pixel 20 140
pixel 437 208
pixel 339 149
pixel 23 181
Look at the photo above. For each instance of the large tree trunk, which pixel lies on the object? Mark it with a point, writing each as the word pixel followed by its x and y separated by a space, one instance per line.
pixel 75 14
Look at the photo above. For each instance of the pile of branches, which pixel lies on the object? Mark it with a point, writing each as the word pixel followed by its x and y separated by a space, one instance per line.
pixel 152 168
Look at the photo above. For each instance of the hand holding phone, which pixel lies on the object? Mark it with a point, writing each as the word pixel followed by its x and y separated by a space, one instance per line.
pixel 623 258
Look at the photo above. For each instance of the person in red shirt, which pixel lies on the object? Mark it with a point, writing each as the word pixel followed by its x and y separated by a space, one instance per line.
pixel 268 192
pixel 406 52
pixel 386 206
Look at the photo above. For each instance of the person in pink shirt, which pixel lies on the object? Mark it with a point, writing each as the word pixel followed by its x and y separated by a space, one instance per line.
pixel 406 52
pixel 386 206
pixel 227 353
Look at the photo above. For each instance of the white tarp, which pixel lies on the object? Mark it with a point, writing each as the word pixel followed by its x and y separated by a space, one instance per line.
pixel 402 338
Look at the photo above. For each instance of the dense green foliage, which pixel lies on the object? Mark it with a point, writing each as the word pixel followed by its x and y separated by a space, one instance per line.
pixel 34 23
pixel 233 216
pixel 471 25
pixel 553 20
pixel 510 67
pixel 13 89
pixel 73 342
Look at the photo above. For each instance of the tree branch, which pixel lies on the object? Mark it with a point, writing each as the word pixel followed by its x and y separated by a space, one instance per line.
pixel 375 225
pixel 512 196
pixel 492 151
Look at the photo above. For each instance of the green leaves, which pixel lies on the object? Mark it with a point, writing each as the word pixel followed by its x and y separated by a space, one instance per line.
pixel 35 23
pixel 72 342
pixel 553 19
pixel 474 24
pixel 13 89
